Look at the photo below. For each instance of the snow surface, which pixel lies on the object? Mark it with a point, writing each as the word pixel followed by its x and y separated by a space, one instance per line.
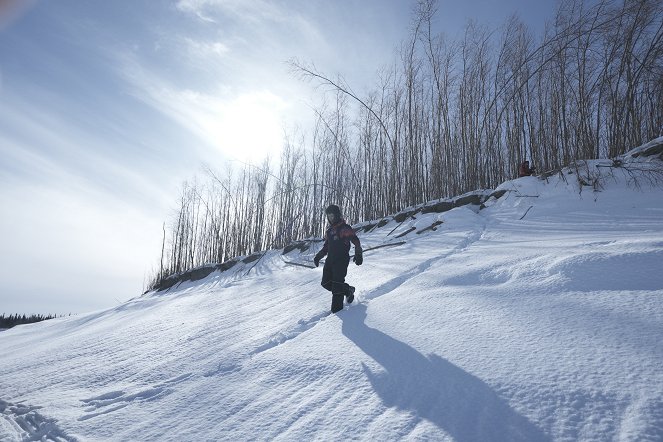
pixel 537 318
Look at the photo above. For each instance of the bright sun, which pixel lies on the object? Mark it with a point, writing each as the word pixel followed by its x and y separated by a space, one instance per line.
pixel 249 127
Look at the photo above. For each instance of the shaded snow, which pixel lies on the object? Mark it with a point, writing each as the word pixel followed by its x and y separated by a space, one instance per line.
pixel 536 318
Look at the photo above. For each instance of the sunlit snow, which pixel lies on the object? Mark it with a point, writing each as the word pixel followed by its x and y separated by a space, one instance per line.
pixel 538 317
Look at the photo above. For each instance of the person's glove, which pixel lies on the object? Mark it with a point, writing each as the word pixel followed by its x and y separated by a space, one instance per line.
pixel 317 259
pixel 359 256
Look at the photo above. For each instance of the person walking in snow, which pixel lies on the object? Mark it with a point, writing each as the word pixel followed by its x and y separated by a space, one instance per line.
pixel 338 237
pixel 525 170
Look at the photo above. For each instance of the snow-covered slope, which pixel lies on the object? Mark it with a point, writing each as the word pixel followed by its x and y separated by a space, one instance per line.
pixel 538 317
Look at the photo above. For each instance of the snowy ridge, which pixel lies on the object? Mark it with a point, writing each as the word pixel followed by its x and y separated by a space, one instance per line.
pixel 535 317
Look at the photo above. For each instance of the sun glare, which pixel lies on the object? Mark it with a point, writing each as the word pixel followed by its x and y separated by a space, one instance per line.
pixel 249 128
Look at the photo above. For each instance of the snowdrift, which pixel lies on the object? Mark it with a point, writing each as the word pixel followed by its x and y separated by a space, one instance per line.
pixel 530 312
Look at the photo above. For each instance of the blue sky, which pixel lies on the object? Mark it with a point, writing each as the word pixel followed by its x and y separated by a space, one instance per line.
pixel 106 107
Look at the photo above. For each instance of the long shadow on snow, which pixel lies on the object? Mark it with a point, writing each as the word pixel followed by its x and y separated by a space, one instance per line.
pixel 434 389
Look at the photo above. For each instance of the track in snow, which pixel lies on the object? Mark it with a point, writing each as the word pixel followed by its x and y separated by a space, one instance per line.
pixel 303 325
pixel 26 423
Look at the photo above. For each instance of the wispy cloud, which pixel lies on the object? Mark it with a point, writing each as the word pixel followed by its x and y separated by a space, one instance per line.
pixel 195 7
pixel 42 145
pixel 69 250
pixel 254 11
pixel 84 226
pixel 206 49
pixel 247 95
pixel 241 124
pixel 260 21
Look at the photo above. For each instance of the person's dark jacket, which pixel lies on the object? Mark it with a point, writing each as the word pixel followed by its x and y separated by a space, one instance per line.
pixel 337 242
pixel 525 170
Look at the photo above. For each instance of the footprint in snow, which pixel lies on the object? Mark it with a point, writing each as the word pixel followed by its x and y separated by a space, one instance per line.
pixel 116 400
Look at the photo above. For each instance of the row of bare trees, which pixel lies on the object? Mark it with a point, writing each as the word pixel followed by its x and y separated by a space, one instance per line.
pixel 447 117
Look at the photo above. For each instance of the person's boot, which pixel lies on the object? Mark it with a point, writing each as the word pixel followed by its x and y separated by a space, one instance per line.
pixel 337 303
pixel 351 295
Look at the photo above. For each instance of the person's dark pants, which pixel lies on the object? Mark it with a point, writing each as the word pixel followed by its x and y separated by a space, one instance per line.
pixel 333 279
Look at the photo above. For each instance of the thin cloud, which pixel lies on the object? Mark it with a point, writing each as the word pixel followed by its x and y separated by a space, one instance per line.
pixel 235 89
pixel 84 227
pixel 234 122
pixel 195 7
pixel 206 49
pixel 253 12
pixel 259 20
pixel 42 147
pixel 66 243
